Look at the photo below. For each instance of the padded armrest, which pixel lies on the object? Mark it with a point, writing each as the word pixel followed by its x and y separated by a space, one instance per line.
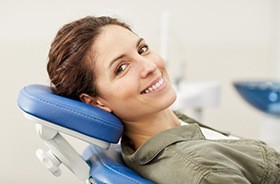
pixel 39 101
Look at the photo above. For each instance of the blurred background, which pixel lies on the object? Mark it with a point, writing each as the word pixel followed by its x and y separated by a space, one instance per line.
pixel 218 41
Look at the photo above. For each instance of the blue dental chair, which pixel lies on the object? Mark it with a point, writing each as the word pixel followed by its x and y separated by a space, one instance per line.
pixel 101 161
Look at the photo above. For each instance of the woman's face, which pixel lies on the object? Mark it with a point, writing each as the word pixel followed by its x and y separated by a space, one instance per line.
pixel 131 79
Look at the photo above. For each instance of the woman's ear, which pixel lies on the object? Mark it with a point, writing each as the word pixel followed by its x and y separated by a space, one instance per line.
pixel 95 101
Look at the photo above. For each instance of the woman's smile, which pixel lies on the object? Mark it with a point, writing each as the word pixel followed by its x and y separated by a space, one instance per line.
pixel 156 86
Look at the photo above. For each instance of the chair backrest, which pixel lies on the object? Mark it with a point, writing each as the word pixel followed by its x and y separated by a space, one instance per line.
pixel 108 167
pixel 59 114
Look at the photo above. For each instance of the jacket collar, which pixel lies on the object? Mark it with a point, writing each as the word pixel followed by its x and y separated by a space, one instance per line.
pixel 151 148
pixel 190 120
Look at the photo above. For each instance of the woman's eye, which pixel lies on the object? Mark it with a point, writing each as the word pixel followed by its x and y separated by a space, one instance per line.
pixel 143 49
pixel 121 68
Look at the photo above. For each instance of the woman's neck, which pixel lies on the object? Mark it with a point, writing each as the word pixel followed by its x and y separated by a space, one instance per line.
pixel 140 131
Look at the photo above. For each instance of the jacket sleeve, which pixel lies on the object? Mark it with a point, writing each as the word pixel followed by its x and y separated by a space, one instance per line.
pixel 224 177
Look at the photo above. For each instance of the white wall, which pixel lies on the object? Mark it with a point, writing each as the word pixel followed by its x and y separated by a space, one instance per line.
pixel 220 40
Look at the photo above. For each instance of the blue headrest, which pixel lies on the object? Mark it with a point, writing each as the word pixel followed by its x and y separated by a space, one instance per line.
pixel 39 101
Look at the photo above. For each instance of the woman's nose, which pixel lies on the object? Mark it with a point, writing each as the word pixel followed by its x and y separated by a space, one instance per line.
pixel 148 67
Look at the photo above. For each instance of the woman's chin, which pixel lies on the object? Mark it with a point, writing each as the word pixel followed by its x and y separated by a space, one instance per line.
pixel 173 100
pixel 169 101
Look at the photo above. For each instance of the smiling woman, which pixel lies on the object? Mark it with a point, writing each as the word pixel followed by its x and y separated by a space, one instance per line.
pixel 102 62
pixel 126 66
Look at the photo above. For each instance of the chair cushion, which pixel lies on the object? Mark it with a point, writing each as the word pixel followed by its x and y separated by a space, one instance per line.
pixel 39 101
pixel 108 167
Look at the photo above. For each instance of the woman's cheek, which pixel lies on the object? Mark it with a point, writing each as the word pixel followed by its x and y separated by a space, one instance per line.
pixel 158 60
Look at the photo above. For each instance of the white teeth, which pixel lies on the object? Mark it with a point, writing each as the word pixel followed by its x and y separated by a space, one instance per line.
pixel 155 86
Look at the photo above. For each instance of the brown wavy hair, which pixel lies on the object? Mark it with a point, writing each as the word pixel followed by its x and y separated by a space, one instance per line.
pixel 71 59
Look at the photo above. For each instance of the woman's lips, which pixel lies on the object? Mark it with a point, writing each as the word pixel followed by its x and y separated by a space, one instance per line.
pixel 154 86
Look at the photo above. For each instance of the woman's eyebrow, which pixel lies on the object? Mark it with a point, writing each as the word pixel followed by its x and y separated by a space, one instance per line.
pixel 123 55
pixel 139 41
pixel 116 59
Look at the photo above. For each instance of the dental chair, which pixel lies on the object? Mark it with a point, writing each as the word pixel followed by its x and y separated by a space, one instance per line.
pixel 101 162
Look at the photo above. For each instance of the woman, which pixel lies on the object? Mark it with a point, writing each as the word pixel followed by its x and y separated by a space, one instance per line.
pixel 102 62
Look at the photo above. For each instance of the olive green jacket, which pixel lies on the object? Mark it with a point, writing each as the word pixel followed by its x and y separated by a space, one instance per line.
pixel 183 155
